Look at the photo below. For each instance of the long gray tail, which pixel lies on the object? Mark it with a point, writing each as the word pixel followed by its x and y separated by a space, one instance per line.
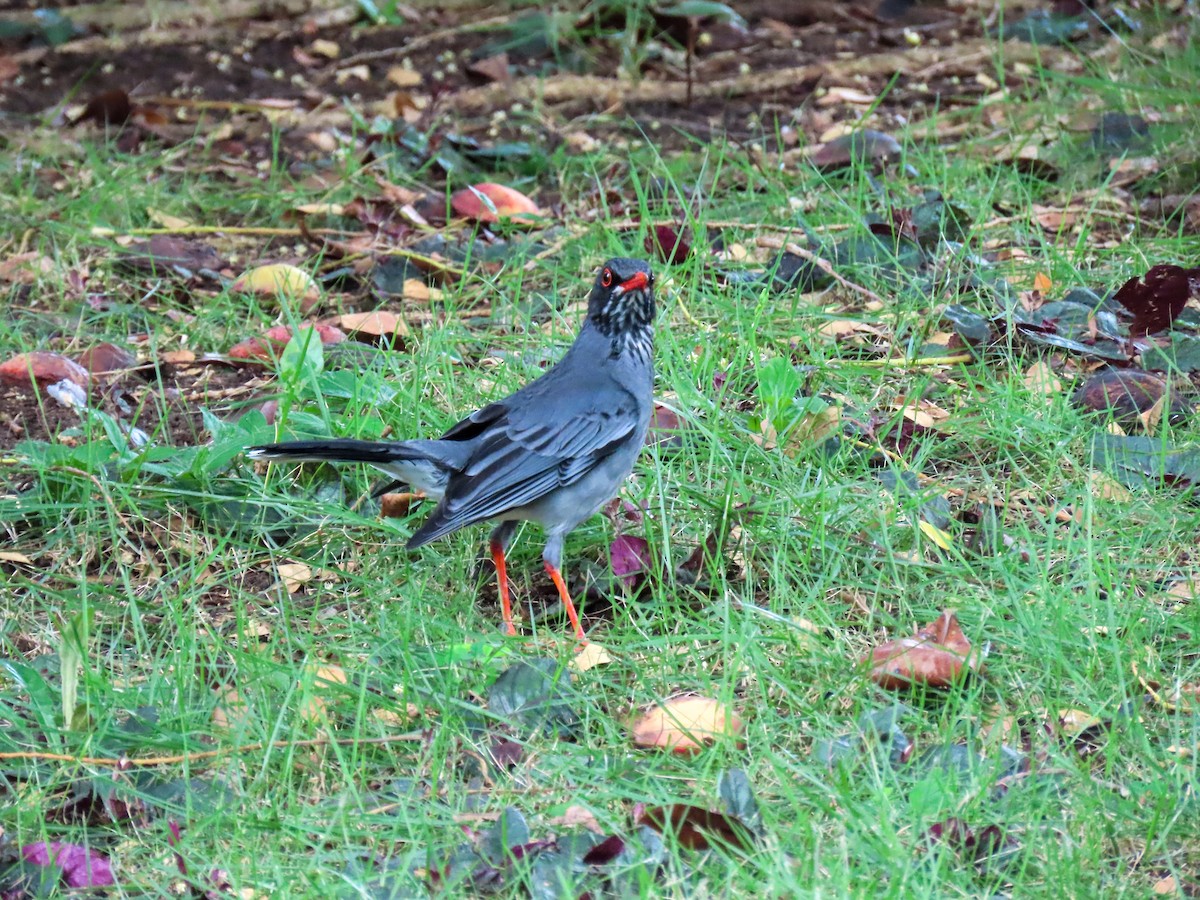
pixel 376 453
pixel 415 463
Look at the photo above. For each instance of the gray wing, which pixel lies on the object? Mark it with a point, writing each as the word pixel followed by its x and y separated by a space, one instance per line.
pixel 527 450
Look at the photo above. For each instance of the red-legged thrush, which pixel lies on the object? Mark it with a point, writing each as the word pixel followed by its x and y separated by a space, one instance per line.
pixel 552 453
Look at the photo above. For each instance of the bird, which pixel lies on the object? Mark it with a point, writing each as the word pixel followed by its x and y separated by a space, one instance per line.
pixel 551 453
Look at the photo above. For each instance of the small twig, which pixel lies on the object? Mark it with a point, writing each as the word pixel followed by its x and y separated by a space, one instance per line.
pixel 416 43
pixel 900 362
pixel 145 762
pixel 100 231
pixel 824 265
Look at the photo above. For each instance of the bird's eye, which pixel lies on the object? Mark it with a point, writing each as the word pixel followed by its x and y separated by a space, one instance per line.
pixel 606 278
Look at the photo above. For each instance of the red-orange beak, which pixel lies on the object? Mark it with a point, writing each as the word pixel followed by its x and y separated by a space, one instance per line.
pixel 637 283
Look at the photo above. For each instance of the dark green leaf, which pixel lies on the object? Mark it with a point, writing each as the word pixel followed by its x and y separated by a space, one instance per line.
pixel 510 830
pixel 736 793
pixel 532 695
pixel 1138 461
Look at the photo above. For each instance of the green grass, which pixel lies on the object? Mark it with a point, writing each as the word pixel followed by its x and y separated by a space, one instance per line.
pixel 170 585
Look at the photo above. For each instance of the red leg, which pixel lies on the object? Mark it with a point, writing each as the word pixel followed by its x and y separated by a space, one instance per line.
pixel 566 601
pixel 502 582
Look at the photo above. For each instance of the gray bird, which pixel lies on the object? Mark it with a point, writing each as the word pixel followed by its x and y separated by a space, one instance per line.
pixel 552 453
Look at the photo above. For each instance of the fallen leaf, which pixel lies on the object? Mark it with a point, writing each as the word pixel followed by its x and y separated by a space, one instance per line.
pixel 281 281
pixel 112 107
pixel 166 220
pixel 697 828
pixel 1040 379
pixel 294 575
pixel 590 656
pixel 668 244
pixel 44 368
pixel 315 680
pixel 267 346
pixel 630 558
pixel 81 867
pixel 1164 887
pixel 417 290
pixel 490 203
pixel 685 725
pixel 231 713
pixel 397 506
pixel 402 77
pixel 575 816
pixel 1158 297
pixel 103 358
pixel 381 327
pixel 493 68
pixel 25 268
pixel 939 656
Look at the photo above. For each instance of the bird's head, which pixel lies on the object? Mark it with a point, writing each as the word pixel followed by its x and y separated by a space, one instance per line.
pixel 622 300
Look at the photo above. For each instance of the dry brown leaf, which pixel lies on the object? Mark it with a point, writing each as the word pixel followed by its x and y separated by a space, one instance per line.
pixel 1103 485
pixel 938 655
pixel 1166 886
pixel 576 816
pixel 294 575
pixel 418 291
pixel 268 345
pixel 589 656
pixel 103 358
pixel 1040 379
pixel 326 48
pixel 403 77
pixel 166 220
pixel 685 725
pixel 231 713
pixel 493 68
pixel 397 506
pixel 838 96
pixel 697 828
pixel 25 268
pixel 315 680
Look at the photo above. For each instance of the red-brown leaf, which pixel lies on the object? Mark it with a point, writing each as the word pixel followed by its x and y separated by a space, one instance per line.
pixel 938 655
pixel 42 367
pixel 1158 297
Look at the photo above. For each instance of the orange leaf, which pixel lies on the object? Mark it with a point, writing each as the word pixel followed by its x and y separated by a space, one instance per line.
pixel 685 725
pixel 271 342
pixel 491 203
pixel 42 367
pixel 939 656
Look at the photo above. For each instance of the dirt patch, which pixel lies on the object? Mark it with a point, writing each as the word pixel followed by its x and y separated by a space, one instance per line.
pixel 167 410
pixel 296 60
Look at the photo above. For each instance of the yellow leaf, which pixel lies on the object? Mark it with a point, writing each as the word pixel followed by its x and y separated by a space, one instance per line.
pixel 935 534
pixel 282 281
pixel 166 220
pixel 590 656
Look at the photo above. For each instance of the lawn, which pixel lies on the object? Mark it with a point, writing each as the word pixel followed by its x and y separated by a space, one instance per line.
pixel 927 342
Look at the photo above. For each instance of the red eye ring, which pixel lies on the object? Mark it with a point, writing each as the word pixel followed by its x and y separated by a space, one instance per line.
pixel 606 278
